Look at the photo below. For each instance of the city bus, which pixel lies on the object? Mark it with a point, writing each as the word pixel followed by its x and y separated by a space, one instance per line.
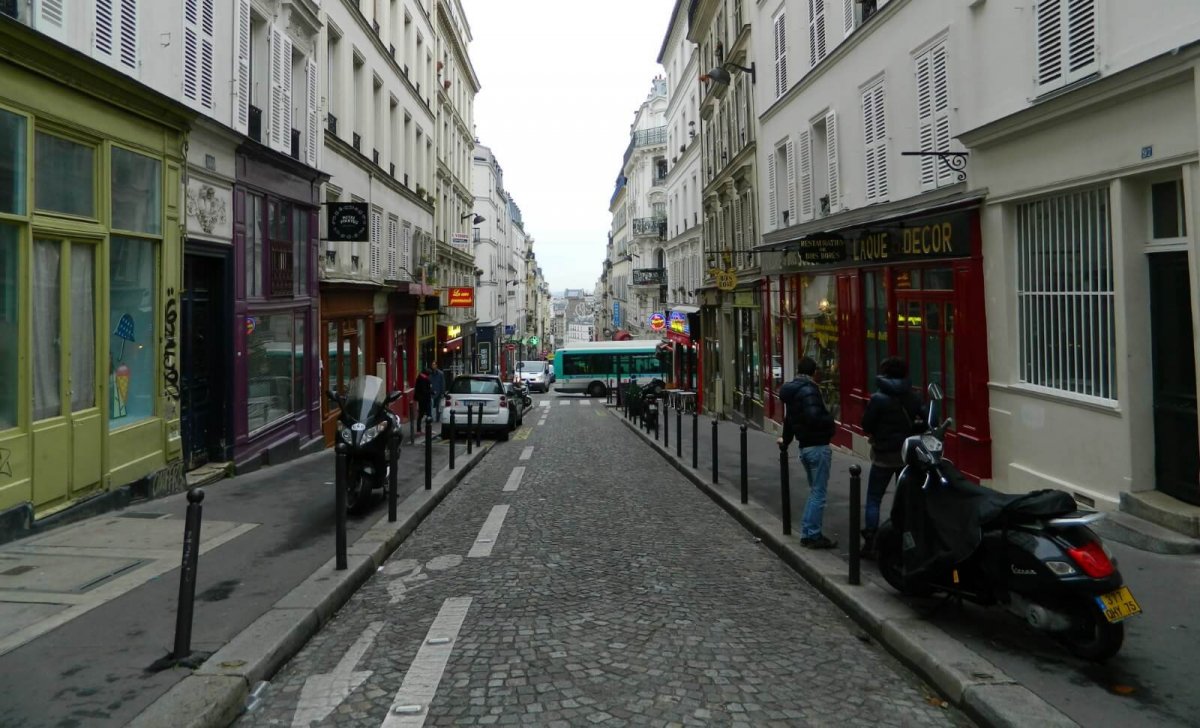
pixel 593 367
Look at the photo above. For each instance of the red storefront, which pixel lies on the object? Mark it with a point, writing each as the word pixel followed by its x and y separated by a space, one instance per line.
pixel 907 286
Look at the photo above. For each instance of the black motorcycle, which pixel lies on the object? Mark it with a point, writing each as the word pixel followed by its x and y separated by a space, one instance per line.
pixel 521 389
pixel 366 431
pixel 650 408
pixel 1031 553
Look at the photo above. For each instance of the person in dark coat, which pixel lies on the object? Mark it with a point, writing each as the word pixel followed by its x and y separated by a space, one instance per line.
pixel 422 391
pixel 808 421
pixel 892 415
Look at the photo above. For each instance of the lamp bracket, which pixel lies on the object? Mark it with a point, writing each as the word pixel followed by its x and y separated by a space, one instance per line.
pixel 954 161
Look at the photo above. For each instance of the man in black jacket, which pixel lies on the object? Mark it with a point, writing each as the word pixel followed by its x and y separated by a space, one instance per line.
pixel 893 414
pixel 807 420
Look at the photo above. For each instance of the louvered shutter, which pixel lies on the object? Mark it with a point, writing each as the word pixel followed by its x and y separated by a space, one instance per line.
pixel 831 152
pixel 312 119
pixel 881 167
pixel 50 17
pixel 781 81
pixel 376 235
pixel 128 26
pixel 206 53
pixel 816 32
pixel 848 16
pixel 790 212
pixel 391 247
pixel 406 252
pixel 806 175
pixel 275 113
pixel 105 34
pixel 286 89
pixel 191 49
pixel 940 83
pixel 870 181
pixel 925 122
pixel 241 113
pixel 772 201
pixel 1082 58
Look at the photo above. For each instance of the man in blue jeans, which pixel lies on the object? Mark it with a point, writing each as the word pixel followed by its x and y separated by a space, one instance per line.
pixel 807 420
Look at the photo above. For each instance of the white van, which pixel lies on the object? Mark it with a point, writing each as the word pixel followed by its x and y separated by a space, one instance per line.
pixel 535 374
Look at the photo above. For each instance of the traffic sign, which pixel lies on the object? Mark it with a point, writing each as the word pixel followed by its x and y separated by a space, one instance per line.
pixel 510 347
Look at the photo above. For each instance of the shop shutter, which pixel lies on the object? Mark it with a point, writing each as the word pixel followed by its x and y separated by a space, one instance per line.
pixel 781 80
pixel 806 176
pixel 772 201
pixel 241 112
pixel 831 151
pixel 312 120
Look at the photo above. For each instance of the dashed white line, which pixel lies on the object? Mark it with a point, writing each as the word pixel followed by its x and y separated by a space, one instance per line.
pixel 527 453
pixel 564 402
pixel 544 403
pixel 514 479
pixel 487 535
pixel 585 402
pixel 411 704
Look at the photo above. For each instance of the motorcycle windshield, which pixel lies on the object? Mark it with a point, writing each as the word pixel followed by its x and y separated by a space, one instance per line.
pixel 364 398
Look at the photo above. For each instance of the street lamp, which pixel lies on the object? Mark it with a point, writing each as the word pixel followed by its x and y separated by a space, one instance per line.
pixel 720 75
pixel 478 218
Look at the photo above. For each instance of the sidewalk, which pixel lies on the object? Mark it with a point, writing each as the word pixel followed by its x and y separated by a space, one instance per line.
pixel 984 660
pixel 85 609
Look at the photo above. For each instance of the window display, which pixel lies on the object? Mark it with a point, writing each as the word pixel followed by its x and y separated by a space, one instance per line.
pixel 131 300
pixel 271 347
pixel 66 176
pixel 136 192
pixel 819 332
pixel 12 163
pixel 47 307
pixel 10 324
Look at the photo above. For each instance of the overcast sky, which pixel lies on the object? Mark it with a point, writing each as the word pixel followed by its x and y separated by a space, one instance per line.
pixel 561 81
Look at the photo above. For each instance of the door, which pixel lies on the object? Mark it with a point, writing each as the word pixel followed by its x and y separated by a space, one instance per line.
pixel 925 319
pixel 67 421
pixel 1176 438
pixel 342 359
pixel 202 390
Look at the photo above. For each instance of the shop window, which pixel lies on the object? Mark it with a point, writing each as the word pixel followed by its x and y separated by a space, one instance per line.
pixel 83 326
pixel 1167 210
pixel 254 246
pixel 132 286
pixel 136 192
pixel 875 318
pixel 282 246
pixel 47 354
pixel 12 163
pixel 271 342
pixel 301 252
pixel 1065 296
pixel 819 329
pixel 10 324
pixel 65 176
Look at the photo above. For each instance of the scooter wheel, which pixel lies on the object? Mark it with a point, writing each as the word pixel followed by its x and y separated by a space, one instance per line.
pixel 891 568
pixel 1094 637
pixel 357 491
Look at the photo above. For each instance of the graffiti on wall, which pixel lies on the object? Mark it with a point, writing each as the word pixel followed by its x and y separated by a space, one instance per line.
pixel 168 481
pixel 170 359
pixel 5 466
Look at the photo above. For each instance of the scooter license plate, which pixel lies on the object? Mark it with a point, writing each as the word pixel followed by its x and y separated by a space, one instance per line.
pixel 1118 605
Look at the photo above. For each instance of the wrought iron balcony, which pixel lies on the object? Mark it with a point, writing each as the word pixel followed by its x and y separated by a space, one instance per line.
pixel 356 141
pixel 650 226
pixel 255 128
pixel 295 143
pixel 331 124
pixel 649 277
pixel 644 137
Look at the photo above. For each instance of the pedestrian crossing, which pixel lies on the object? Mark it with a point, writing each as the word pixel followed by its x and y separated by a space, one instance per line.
pixel 567 402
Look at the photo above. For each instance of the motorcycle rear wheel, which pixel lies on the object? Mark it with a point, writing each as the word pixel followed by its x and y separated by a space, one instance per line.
pixel 887 545
pixel 357 490
pixel 1095 638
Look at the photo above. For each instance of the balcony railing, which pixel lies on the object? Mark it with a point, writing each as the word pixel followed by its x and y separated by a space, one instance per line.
pixel 295 143
pixel 658 181
pixel 281 267
pixel 356 141
pixel 331 124
pixel 650 226
pixel 643 137
pixel 255 124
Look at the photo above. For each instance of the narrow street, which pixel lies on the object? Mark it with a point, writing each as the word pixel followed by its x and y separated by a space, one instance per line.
pixel 574 578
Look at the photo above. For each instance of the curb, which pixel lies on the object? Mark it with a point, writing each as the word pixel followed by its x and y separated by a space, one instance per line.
pixel 967 680
pixel 215 694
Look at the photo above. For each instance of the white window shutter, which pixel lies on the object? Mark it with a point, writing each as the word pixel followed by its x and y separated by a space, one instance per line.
pixel 1048 22
pixel 831 152
pixel 191 49
pixel 312 121
pixel 286 85
pixel 870 185
pixel 104 35
pixel 781 82
pixel 848 16
pixel 927 141
pixel 376 234
pixel 816 32
pixel 391 248
pixel 50 18
pixel 128 24
pixel 1082 58
pixel 772 201
pixel 790 211
pixel 940 83
pixel 806 176
pixel 241 114
pixel 881 168
pixel 275 113
pixel 206 53
pixel 406 253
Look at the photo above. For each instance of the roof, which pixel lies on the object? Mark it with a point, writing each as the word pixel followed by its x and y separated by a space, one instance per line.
pixel 630 345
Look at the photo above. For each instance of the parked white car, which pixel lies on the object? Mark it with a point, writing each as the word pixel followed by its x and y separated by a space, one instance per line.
pixel 476 390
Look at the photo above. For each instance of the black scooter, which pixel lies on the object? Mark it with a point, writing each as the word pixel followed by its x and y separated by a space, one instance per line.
pixel 521 389
pixel 1031 553
pixel 366 431
pixel 650 408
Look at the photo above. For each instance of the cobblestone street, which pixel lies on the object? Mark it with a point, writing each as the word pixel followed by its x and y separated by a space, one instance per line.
pixel 574 578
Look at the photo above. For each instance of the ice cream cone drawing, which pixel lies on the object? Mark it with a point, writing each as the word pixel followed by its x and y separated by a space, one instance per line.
pixel 121 373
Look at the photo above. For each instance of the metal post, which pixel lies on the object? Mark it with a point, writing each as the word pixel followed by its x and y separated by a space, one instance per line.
pixel 657 419
pixel 679 433
pixel 695 440
pixel 619 398
pixel 665 415
pixel 453 439
pixel 855 509
pixel 412 420
pixel 785 490
pixel 393 474
pixel 745 474
pixel 428 453
pixel 339 485
pixel 470 442
pixel 479 427
pixel 187 575
pixel 714 450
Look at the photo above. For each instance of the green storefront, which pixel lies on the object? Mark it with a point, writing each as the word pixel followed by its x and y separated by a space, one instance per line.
pixel 90 165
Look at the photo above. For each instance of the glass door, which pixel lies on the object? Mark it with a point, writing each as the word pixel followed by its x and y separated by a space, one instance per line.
pixel 1176 438
pixel 925 318
pixel 68 425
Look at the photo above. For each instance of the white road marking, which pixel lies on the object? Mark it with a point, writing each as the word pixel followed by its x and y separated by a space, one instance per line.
pixel 526 453
pixel 323 693
pixel 514 479
pixel 564 402
pixel 411 704
pixel 487 535
pixel 541 422
pixel 544 403
pixel 585 402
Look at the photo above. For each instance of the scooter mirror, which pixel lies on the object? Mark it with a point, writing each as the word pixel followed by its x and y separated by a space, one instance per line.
pixel 394 396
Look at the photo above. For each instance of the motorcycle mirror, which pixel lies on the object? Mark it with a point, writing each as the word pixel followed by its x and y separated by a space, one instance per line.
pixel 935 391
pixel 394 396
pixel 332 395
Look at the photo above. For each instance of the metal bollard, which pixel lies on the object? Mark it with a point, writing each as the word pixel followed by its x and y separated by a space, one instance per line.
pixel 428 453
pixel 453 440
pixel 679 433
pixel 393 475
pixel 665 415
pixel 412 421
pixel 339 500
pixel 855 510
pixel 470 442
pixel 187 575
pixel 745 468
pixel 714 450
pixel 695 441
pixel 785 490
pixel 479 427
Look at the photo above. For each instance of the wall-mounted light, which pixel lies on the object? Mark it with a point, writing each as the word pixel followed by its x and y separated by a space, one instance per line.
pixel 478 218
pixel 720 75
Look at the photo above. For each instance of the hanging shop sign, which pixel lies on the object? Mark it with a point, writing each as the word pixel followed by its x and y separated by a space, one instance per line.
pixel 348 221
pixel 914 239
pixel 616 313
pixel 677 322
pixel 461 298
pixel 657 321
